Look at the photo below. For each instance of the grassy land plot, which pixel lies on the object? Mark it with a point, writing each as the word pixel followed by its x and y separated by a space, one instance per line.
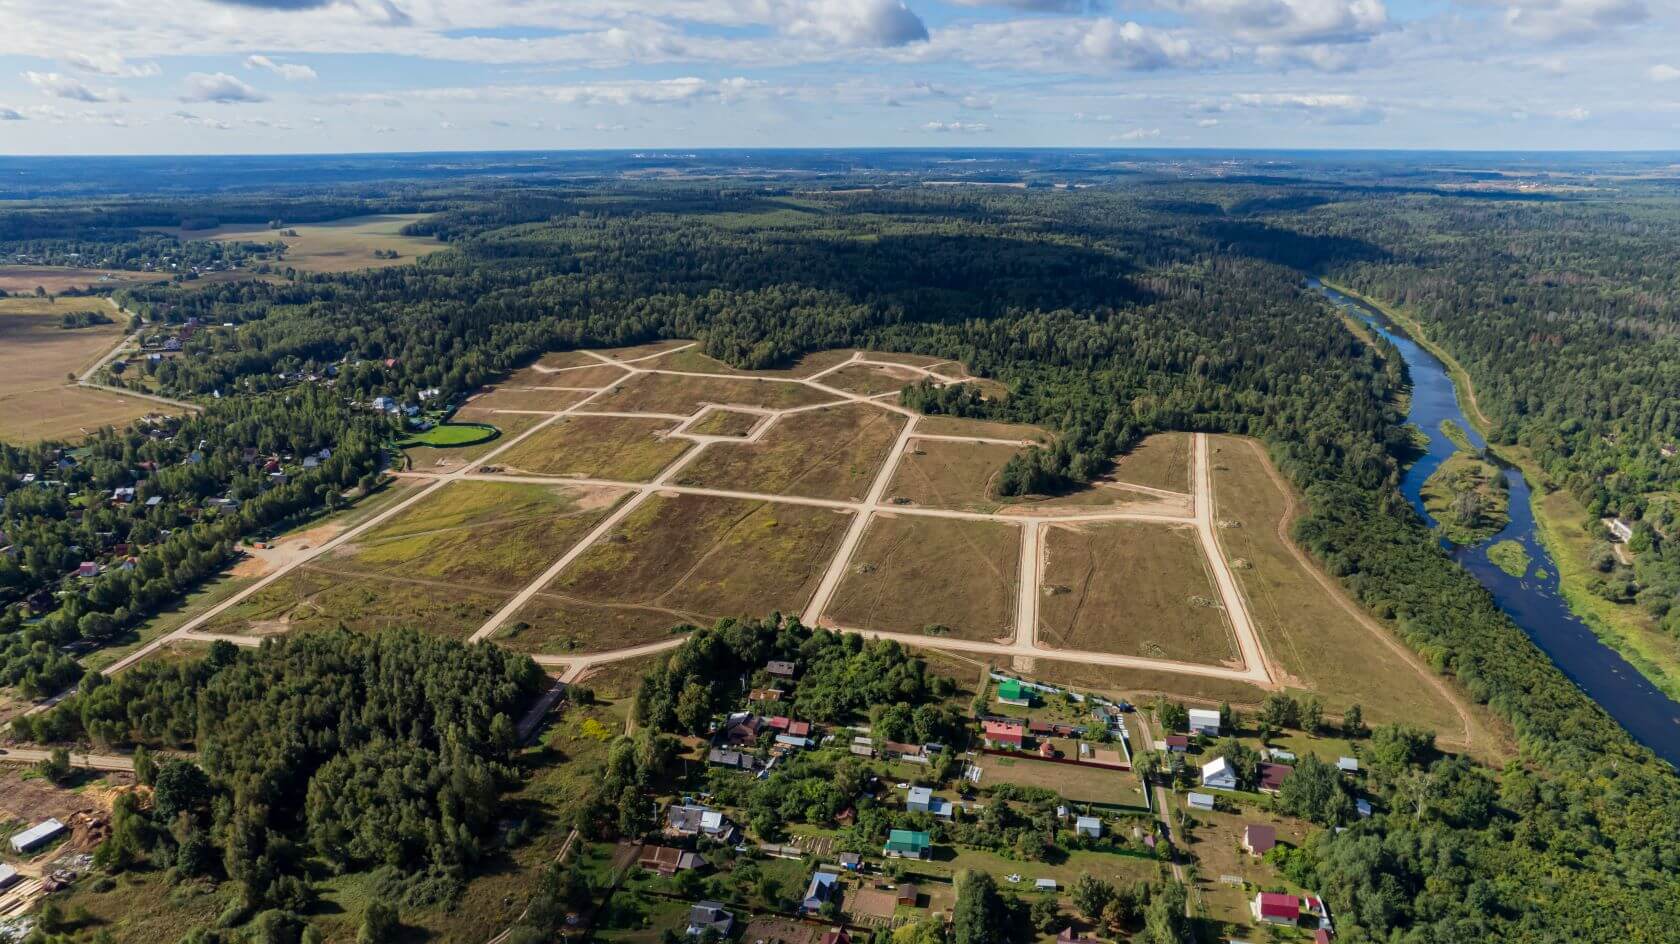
pixel 336 246
pixel 621 678
pixel 1117 869
pixel 1081 784
pixel 1216 845
pixel 636 351
pixel 481 535
pixel 958 426
pixel 527 398
pixel 1132 588
pixel 691 359
pixel 684 394
pixel 593 375
pixel 871 379
pixel 1303 624
pixel 830 453
pixel 16 279
pixel 1160 461
pixel 562 360
pixel 312 598
pixel 37 354
pixel 914 360
pixel 726 423
pixel 958 475
pixel 682 558
pixel 608 447
pixel 449 458
pixel 913 573
pixel 1136 684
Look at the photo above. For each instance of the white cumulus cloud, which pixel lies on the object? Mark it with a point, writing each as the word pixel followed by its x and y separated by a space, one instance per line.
pixel 1662 73
pixel 853 22
pixel 60 85
pixel 219 87
pixel 957 127
pixel 290 71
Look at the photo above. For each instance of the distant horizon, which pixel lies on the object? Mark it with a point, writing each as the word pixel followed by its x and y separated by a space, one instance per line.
pixel 900 148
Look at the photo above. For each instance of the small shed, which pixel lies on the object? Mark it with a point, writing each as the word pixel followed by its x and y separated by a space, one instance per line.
pixel 1089 827
pixel 1204 721
pixel 1200 801
pixel 37 835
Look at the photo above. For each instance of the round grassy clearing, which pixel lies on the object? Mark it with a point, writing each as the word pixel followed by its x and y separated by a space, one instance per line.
pixel 452 435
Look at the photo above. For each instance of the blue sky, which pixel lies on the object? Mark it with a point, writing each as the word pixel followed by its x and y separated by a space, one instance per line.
pixel 242 76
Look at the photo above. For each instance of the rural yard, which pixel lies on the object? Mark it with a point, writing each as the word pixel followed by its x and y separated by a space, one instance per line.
pixel 638 489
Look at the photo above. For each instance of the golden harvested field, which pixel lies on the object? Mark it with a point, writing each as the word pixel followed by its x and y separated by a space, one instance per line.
pixel 37 357
pixel 55 279
pixel 828 453
pixel 958 426
pixel 682 558
pixel 608 447
pixel 336 246
pixel 1134 589
pixel 871 379
pixel 312 598
pixel 726 423
pixel 480 535
pixel 911 573
pixel 435 459
pixel 509 397
pixel 683 394
pixel 1302 621
pixel 1160 461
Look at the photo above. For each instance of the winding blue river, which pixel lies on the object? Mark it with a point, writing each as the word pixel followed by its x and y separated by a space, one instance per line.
pixel 1531 600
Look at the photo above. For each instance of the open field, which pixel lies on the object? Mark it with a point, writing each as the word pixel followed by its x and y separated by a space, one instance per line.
pixel 593 374
pixel 958 426
pixel 527 398
pixel 1080 784
pixel 626 449
pixel 37 356
pixel 913 573
pixel 726 423
pixel 957 475
pixel 335 246
pixel 311 597
pixel 871 379
pixel 55 279
pixel 682 558
pixel 1160 461
pixel 684 394
pixel 479 535
pixel 1134 588
pixel 1306 627
pixel 827 453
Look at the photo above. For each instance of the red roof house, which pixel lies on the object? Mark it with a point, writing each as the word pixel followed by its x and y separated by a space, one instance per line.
pixel 1272 776
pixel 1004 733
pixel 1275 908
pixel 799 728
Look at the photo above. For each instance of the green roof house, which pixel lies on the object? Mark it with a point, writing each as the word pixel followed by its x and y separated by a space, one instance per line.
pixel 907 844
pixel 1012 692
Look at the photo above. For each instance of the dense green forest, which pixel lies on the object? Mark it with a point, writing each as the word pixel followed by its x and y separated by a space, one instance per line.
pixel 1568 316
pixel 1108 314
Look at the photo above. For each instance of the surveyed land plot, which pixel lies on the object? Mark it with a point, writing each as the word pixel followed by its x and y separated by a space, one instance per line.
pixel 871 379
pixel 527 399
pixel 681 559
pixel 726 423
pixel 590 375
pixel 1306 628
pixel 934 576
pixel 490 536
pixel 1160 461
pixel 624 449
pixel 834 452
pixel 1132 588
pixel 685 394
pixel 962 476
pixel 312 597
pixel 983 429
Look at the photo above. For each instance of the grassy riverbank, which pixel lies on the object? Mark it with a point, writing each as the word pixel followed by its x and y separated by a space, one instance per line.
pixel 1561 523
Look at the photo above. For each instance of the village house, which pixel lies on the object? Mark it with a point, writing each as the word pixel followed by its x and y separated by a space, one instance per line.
pixel 1276 908
pixel 1204 721
pixel 922 800
pixel 737 760
pixel 669 860
pixel 1218 774
pixel 699 821
pixel 1258 838
pixel 779 668
pixel 907 844
pixel 1012 692
pixel 998 734
pixel 1272 776
pixel 863 746
pixel 709 916
pixel 1175 743
pixel 914 753
pixel 824 887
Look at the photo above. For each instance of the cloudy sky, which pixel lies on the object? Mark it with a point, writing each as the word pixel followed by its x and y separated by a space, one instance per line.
pixel 219 76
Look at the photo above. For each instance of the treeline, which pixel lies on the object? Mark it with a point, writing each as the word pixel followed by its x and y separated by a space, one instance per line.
pixel 368 752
